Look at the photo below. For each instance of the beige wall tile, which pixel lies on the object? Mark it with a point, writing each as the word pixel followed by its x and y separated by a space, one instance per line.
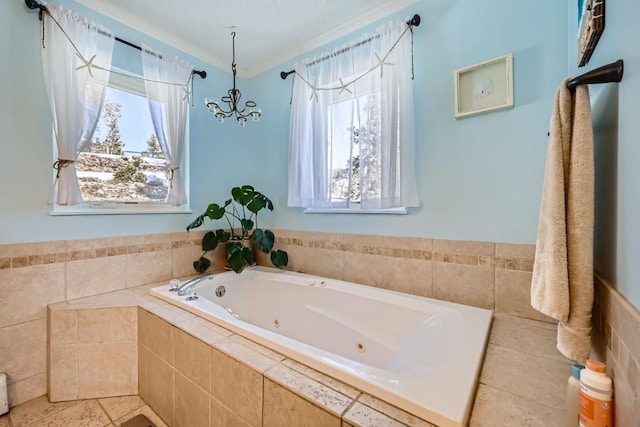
pixel 515 251
pixel 160 385
pixel 509 370
pixel 494 407
pixel 513 295
pixel 626 409
pixel 156 334
pixel 237 386
pixel 364 269
pixel 411 276
pixel 463 247
pixel 144 239
pixel 221 416
pixel 95 276
pixel 23 351
pixel 143 362
pixel 192 358
pixel 95 243
pixel 283 408
pixel 107 369
pixel 28 291
pixel 191 404
pixel 27 389
pixel 107 325
pixel 316 261
pixel 625 319
pixel 184 257
pixel 465 284
pixel 63 326
pixel 26 249
pixel 149 267
pixel 63 372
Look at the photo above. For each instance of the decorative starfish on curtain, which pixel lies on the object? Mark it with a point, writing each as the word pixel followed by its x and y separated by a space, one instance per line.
pixel 314 90
pixel 88 64
pixel 344 87
pixel 187 93
pixel 382 62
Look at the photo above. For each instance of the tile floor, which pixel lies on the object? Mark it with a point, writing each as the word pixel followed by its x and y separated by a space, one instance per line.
pixel 107 412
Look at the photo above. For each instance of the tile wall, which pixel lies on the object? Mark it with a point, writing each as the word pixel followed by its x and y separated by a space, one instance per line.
pixel 616 340
pixel 194 373
pixel 490 275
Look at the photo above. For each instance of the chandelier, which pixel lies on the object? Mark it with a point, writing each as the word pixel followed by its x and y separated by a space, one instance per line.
pixel 232 100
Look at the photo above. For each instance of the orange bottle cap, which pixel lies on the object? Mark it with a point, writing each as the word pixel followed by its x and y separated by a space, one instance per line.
pixel 596 366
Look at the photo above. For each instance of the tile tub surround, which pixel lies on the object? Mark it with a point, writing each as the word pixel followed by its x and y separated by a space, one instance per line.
pixel 34 275
pixel 193 372
pixel 616 341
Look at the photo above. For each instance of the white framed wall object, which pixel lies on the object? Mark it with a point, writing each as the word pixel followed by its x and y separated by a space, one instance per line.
pixel 483 87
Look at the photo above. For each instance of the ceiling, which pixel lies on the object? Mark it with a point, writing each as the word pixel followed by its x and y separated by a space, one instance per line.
pixel 269 32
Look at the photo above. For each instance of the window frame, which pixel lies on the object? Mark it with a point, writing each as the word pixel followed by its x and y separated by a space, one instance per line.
pixel 132 83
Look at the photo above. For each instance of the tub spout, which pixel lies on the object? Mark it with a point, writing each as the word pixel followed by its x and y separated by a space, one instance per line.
pixel 184 289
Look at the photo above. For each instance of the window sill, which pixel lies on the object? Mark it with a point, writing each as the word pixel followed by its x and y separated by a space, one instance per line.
pixel 391 211
pixel 118 209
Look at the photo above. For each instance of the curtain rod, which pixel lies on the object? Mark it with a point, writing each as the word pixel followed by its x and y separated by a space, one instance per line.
pixel 610 73
pixel 414 22
pixel 33 4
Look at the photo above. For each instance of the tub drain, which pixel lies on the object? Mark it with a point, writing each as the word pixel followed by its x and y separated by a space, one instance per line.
pixel 361 347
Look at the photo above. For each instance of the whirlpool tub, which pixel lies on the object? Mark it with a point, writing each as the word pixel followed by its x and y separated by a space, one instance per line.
pixel 420 354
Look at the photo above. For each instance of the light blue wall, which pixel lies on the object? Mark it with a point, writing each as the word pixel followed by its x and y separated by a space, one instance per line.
pixel 25 119
pixel 617 236
pixel 479 177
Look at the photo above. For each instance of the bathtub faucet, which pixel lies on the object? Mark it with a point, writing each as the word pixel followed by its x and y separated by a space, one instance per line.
pixel 184 289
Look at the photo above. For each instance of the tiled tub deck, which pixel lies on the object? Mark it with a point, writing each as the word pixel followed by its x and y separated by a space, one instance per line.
pixel 194 373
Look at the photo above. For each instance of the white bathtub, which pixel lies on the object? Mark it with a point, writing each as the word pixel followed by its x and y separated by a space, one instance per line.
pixel 420 354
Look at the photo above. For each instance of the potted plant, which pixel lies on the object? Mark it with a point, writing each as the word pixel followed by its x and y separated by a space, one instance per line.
pixel 241 214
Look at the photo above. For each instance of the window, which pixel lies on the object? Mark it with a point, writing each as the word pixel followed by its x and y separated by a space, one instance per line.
pixel 123 168
pixel 352 137
pixel 123 163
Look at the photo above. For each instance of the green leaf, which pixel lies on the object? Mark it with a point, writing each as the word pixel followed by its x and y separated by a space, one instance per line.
pixel 209 241
pixel 222 235
pixel 279 258
pixel 196 222
pixel 264 240
pixel 242 195
pixel 247 224
pixel 214 211
pixel 256 204
pixel 201 265
pixel 239 257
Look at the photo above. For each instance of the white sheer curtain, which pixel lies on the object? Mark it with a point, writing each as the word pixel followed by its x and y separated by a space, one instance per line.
pixel 76 82
pixel 167 83
pixel 378 106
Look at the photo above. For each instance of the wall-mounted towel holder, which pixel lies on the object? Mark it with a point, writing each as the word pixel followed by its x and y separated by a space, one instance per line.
pixel 610 73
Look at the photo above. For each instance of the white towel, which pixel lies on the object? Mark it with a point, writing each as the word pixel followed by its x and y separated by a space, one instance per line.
pixel 562 283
